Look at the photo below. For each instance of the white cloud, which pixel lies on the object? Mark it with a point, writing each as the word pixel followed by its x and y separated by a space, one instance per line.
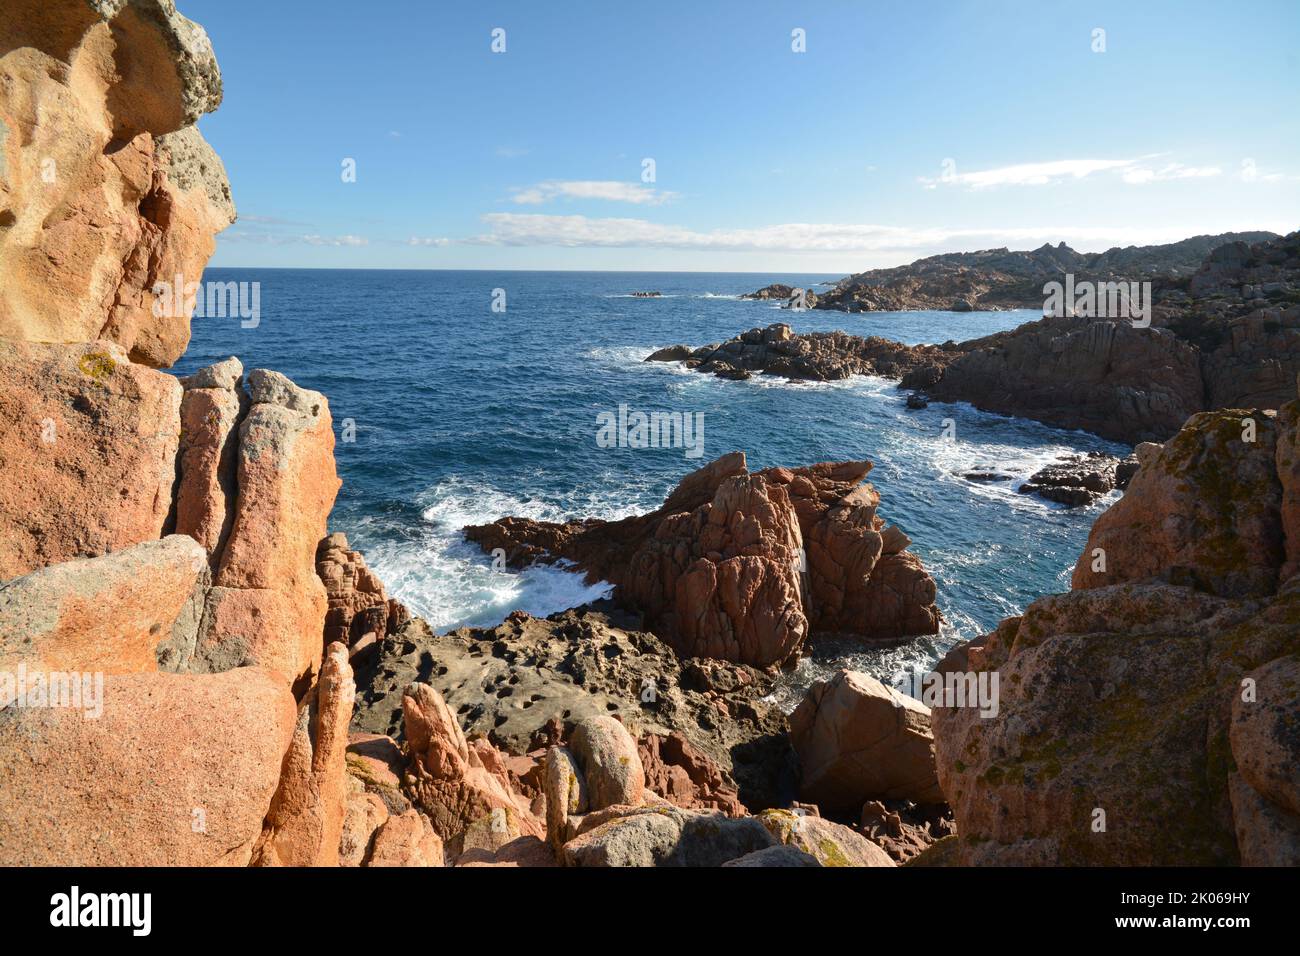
pixel 519 229
pixel 1136 172
pixel 604 189
pixel 427 241
pixel 1139 175
pixel 285 239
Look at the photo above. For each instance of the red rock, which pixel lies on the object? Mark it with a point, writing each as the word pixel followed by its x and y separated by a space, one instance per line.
pixel 407 840
pixel 305 822
pixel 178 771
pixel 110 614
pixel 111 187
pixel 1205 510
pixel 717 569
pixel 684 776
pixel 859 740
pixel 87 453
pixel 448 778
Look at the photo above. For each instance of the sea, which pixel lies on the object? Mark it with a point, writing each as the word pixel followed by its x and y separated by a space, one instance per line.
pixel 459 397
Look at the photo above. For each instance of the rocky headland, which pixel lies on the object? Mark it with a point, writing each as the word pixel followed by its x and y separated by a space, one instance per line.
pixel 1225 336
pixel 995 279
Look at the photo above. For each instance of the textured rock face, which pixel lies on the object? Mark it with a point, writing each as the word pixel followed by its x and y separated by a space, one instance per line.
pixel 526 683
pixel 305 823
pixel 1147 721
pixel 87 452
pixel 1203 510
pixel 859 740
pixel 358 603
pixel 456 782
pixel 109 614
pixel 106 188
pixel 267 605
pixel 1106 377
pixel 178 771
pixel 719 569
pixel 211 408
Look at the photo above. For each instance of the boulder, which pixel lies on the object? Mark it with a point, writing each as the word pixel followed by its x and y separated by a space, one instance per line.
pixel 1204 510
pixel 112 614
pixel 610 764
pixel 829 843
pixel 566 794
pixel 109 189
pixel 88 445
pixel 178 770
pixel 775 856
pixel 858 740
pixel 663 835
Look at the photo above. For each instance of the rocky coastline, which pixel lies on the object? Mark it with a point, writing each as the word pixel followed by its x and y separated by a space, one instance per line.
pixel 1227 336
pixel 196 672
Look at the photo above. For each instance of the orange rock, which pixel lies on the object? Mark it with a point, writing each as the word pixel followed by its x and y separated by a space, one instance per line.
pixel 407 840
pixel 106 614
pixel 268 605
pixel 178 771
pixel 87 452
pixel 859 740
pixel 209 448
pixel 305 822
pixel 449 779
pixel 109 188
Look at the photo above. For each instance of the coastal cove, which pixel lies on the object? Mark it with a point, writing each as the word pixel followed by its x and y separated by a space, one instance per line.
pixel 480 414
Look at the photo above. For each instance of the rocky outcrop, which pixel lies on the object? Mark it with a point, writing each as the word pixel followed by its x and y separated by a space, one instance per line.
pixel 858 740
pixel 458 782
pixel 811 356
pixel 994 279
pixel 719 569
pixel 212 406
pixel 88 445
pixel 106 187
pixel 119 614
pixel 1145 717
pixel 707 738
pixel 305 824
pixel 177 770
pixel 358 605
pixel 267 603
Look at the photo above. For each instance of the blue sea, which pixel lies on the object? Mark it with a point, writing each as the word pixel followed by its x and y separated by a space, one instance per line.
pixel 462 414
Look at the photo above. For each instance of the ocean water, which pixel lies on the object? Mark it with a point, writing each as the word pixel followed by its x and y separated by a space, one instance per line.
pixel 462 415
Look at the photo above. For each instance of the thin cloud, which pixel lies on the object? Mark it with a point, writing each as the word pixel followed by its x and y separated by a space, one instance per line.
pixel 1135 172
pixel 283 239
pixel 519 229
pixel 428 241
pixel 607 190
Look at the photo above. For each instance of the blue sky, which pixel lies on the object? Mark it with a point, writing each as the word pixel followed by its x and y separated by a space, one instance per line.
pixel 765 159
